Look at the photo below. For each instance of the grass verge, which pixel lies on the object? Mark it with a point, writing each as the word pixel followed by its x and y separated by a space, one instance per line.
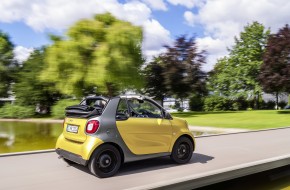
pixel 261 119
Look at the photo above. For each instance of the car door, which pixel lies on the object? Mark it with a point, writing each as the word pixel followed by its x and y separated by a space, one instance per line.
pixel 145 131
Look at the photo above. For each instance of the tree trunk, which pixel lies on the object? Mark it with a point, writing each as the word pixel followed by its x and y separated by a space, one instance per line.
pixel 277 100
pixel 258 100
pixel 111 90
pixel 255 102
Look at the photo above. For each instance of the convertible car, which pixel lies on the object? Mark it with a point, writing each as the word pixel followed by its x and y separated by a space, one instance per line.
pixel 104 133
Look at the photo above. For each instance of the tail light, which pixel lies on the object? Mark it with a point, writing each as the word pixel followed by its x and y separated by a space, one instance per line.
pixel 92 126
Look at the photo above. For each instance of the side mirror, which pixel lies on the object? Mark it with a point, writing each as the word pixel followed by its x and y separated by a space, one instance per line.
pixel 121 117
pixel 167 115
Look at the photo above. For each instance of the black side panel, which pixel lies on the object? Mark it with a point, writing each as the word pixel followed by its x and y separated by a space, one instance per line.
pixel 70 156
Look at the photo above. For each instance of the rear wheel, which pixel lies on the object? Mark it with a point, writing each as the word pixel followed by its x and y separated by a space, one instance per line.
pixel 105 161
pixel 182 150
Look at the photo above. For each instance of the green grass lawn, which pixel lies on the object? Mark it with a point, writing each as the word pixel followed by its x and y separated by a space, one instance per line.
pixel 262 119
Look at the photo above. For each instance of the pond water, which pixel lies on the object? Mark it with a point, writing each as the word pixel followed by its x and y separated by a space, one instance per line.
pixel 28 136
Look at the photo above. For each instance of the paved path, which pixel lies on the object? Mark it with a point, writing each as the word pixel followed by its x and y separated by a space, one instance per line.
pixel 213 156
pixel 215 130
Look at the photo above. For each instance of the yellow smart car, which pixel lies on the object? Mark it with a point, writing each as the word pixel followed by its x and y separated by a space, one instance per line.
pixel 104 133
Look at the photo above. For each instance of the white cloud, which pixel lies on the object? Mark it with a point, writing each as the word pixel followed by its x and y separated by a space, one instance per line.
pixel 187 3
pixel 156 4
pixel 189 18
pixel 155 37
pixel 22 53
pixel 59 15
pixel 224 19
pixel 135 12
pixel 215 48
pixel 153 53
pixel 155 34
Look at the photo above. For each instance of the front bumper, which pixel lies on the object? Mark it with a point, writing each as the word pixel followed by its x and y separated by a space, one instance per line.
pixel 71 156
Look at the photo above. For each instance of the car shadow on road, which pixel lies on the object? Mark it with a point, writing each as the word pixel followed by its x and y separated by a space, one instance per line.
pixel 158 163
pixel 150 164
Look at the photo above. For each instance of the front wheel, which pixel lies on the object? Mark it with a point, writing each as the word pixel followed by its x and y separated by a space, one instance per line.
pixel 105 161
pixel 182 150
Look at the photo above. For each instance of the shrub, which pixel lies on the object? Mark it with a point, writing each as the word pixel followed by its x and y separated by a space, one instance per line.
pixel 196 103
pixel 57 110
pixel 283 111
pixel 282 104
pixel 16 111
pixel 217 103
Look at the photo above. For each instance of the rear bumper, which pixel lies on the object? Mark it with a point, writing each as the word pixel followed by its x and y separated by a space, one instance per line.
pixel 71 156
pixel 77 150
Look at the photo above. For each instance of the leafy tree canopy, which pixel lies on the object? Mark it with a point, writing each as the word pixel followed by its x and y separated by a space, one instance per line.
pixel 7 64
pixel 275 70
pixel 97 55
pixel 178 71
pixel 236 75
pixel 155 82
pixel 29 90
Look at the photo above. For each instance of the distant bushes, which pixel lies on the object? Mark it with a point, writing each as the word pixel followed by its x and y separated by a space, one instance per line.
pixel 16 111
pixel 217 103
pixel 220 103
pixel 196 103
pixel 57 110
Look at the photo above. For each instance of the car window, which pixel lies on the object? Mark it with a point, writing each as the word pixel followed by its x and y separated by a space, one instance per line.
pixel 122 107
pixel 144 109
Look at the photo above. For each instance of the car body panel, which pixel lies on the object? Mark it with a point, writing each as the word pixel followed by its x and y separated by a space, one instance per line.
pixel 180 128
pixel 80 136
pixel 146 135
pixel 84 149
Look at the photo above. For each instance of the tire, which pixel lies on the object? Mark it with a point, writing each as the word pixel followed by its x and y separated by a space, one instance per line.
pixel 69 162
pixel 182 150
pixel 105 161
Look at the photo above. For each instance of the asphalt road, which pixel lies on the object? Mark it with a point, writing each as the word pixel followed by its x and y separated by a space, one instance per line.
pixel 213 154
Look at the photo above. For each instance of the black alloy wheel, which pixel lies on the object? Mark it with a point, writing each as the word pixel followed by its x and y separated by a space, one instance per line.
pixel 105 161
pixel 182 150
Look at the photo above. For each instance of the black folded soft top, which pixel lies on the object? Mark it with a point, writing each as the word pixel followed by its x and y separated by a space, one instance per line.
pixel 89 107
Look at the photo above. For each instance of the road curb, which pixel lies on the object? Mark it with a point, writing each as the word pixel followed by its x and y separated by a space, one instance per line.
pixel 27 153
pixel 250 131
pixel 216 176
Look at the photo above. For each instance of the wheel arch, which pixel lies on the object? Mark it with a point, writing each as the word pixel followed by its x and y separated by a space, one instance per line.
pixel 113 144
pixel 186 136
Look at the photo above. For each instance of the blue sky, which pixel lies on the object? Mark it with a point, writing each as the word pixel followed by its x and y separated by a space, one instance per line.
pixel 213 22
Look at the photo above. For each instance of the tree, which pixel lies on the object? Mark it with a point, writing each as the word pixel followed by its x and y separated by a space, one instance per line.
pixel 183 74
pixel 7 64
pixel 97 56
pixel 182 68
pixel 177 72
pixel 236 75
pixel 155 82
pixel 220 78
pixel 275 70
pixel 29 90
